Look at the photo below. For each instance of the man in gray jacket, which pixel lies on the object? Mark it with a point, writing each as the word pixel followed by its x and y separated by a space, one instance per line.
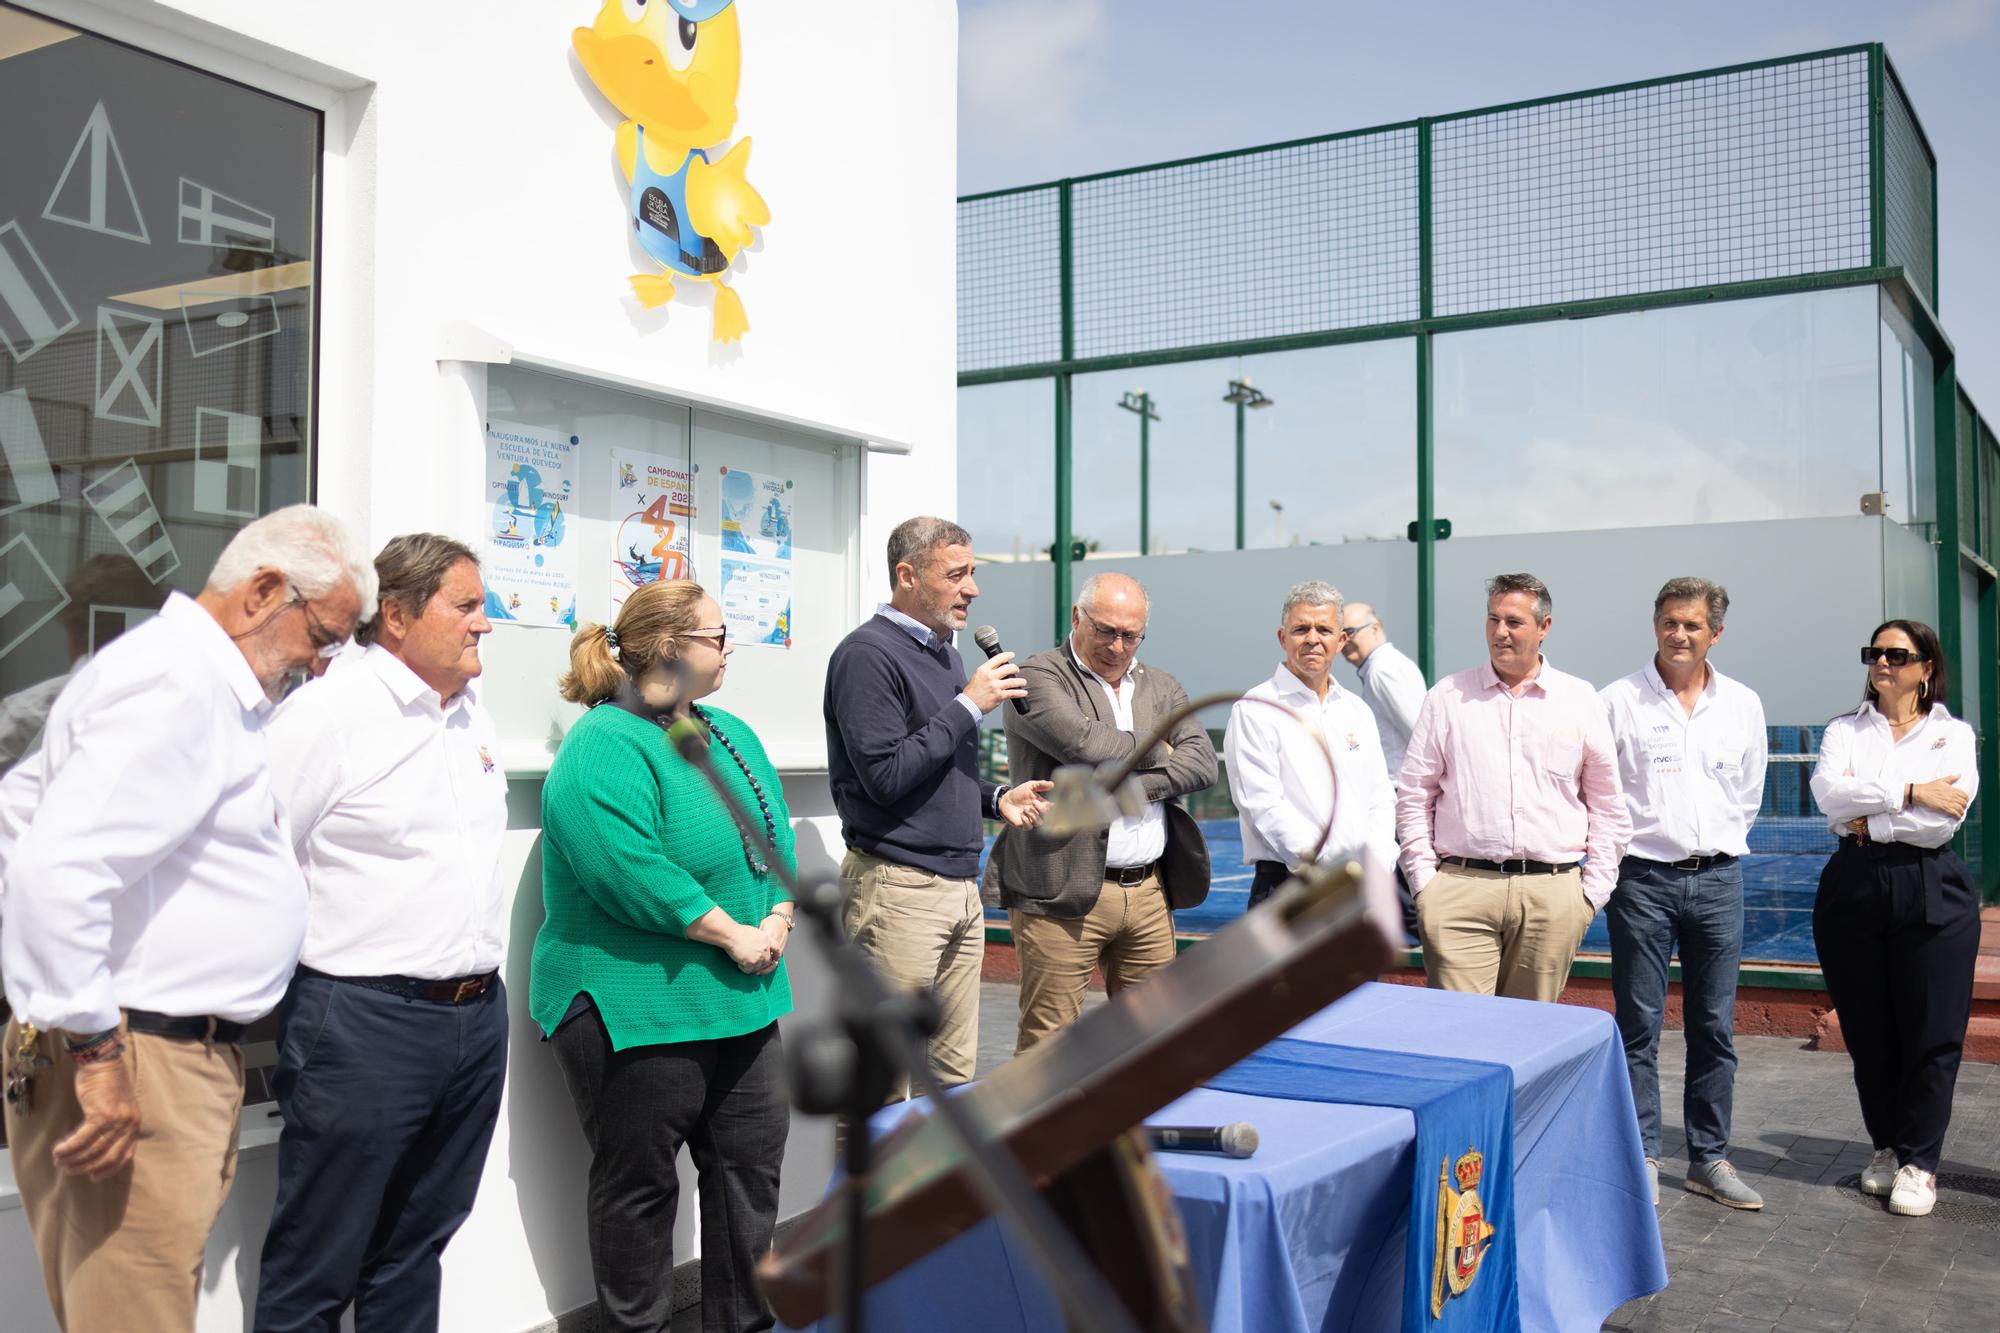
pixel 1106 896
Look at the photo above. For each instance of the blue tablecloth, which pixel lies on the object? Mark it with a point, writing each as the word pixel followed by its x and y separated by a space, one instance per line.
pixel 1308 1236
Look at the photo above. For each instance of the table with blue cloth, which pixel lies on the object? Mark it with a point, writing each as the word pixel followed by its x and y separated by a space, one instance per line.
pixel 1310 1233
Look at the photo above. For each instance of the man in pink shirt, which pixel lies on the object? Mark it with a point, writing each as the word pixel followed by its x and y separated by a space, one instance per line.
pixel 1510 778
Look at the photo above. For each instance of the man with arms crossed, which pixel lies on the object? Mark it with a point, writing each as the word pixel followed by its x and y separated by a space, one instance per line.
pixel 1285 772
pixel 1691 755
pixel 902 749
pixel 154 909
pixel 1510 779
pixel 392 1040
pixel 1102 897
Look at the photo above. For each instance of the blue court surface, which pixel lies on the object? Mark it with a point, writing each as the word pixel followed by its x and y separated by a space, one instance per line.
pixel 1780 876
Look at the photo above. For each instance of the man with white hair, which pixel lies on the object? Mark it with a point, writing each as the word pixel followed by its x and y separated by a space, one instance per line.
pixel 1102 898
pixel 1292 776
pixel 154 908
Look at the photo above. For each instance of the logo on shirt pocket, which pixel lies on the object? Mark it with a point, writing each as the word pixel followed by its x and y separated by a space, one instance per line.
pixel 485 760
pixel 1938 744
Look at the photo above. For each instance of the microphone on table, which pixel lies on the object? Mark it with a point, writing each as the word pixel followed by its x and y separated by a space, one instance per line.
pixel 988 640
pixel 1237 1140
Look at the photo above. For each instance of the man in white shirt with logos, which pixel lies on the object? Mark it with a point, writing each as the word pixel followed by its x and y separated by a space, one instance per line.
pixel 392 1042
pixel 1286 772
pixel 154 909
pixel 1691 750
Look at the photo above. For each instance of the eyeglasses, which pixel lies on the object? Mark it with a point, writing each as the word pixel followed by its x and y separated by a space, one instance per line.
pixel 324 641
pixel 1110 635
pixel 720 633
pixel 1352 630
pixel 1895 657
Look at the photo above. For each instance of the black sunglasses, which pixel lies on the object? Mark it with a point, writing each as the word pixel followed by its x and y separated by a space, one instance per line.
pixel 1895 657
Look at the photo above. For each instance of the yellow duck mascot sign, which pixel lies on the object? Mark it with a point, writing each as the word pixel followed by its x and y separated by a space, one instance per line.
pixel 672 68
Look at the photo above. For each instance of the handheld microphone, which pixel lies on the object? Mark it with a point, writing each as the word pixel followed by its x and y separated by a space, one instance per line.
pixel 988 640
pixel 1237 1140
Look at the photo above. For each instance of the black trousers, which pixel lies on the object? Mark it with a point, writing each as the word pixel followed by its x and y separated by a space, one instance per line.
pixel 389 1106
pixel 1268 875
pixel 723 1099
pixel 1897 928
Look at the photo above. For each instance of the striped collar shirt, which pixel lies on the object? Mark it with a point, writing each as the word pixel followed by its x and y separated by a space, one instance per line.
pixel 398 806
pixel 1693 782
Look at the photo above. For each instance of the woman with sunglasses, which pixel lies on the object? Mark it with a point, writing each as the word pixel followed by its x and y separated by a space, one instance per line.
pixel 1897 917
pixel 659 973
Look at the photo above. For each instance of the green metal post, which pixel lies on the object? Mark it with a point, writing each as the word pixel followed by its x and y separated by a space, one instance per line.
pixel 1145 474
pixel 1064 471
pixel 1426 519
pixel 1064 448
pixel 1426 473
pixel 1989 732
pixel 1877 221
pixel 1950 565
pixel 1239 475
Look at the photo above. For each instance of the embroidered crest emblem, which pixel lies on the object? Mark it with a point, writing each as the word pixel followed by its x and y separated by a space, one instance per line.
pixel 1353 741
pixel 1938 744
pixel 485 760
pixel 1463 1234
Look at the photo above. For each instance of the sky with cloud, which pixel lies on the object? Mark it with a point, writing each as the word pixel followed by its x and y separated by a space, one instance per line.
pixel 1049 88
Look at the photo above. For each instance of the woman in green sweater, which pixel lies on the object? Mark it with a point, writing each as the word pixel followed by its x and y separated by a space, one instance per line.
pixel 659 975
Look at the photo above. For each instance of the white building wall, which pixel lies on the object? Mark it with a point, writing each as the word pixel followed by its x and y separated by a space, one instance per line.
pixel 469 181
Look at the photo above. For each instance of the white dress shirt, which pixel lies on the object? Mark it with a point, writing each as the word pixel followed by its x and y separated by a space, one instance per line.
pixel 1863 772
pixel 1280 781
pixel 397 804
pixel 1394 688
pixel 154 870
pixel 1136 840
pixel 1693 782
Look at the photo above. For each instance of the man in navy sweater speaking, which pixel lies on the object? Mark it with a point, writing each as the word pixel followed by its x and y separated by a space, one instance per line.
pixel 902 745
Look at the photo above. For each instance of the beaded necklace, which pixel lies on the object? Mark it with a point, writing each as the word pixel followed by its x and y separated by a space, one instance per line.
pixel 758 867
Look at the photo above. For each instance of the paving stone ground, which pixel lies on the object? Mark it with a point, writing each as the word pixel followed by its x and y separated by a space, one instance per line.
pixel 1818 1256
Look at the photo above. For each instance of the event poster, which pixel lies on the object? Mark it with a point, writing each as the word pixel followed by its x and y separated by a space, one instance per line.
pixel 531 566
pixel 756 515
pixel 757 602
pixel 652 508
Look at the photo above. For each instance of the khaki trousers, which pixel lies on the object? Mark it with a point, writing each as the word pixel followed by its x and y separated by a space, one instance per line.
pixel 922 931
pixel 1130 931
pixel 1495 934
pixel 125 1252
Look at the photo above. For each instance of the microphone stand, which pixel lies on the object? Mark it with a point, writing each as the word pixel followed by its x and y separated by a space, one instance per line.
pixel 850 1067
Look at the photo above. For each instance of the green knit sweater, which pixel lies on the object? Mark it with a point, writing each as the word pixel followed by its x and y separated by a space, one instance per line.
pixel 635 848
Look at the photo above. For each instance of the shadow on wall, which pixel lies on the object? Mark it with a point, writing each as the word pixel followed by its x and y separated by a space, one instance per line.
pixel 546 1156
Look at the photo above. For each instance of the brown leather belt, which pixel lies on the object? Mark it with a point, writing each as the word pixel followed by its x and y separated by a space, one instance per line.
pixel 1516 867
pixel 451 990
pixel 193 1027
pixel 1130 877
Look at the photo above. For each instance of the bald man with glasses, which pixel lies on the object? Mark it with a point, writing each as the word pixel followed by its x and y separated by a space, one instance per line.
pixel 1105 897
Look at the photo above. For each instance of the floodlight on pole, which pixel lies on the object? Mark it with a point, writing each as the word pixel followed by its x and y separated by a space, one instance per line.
pixel 1243 394
pixel 1141 402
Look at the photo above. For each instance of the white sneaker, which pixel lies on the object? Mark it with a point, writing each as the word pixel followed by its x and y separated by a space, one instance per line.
pixel 1880 1175
pixel 1915 1193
